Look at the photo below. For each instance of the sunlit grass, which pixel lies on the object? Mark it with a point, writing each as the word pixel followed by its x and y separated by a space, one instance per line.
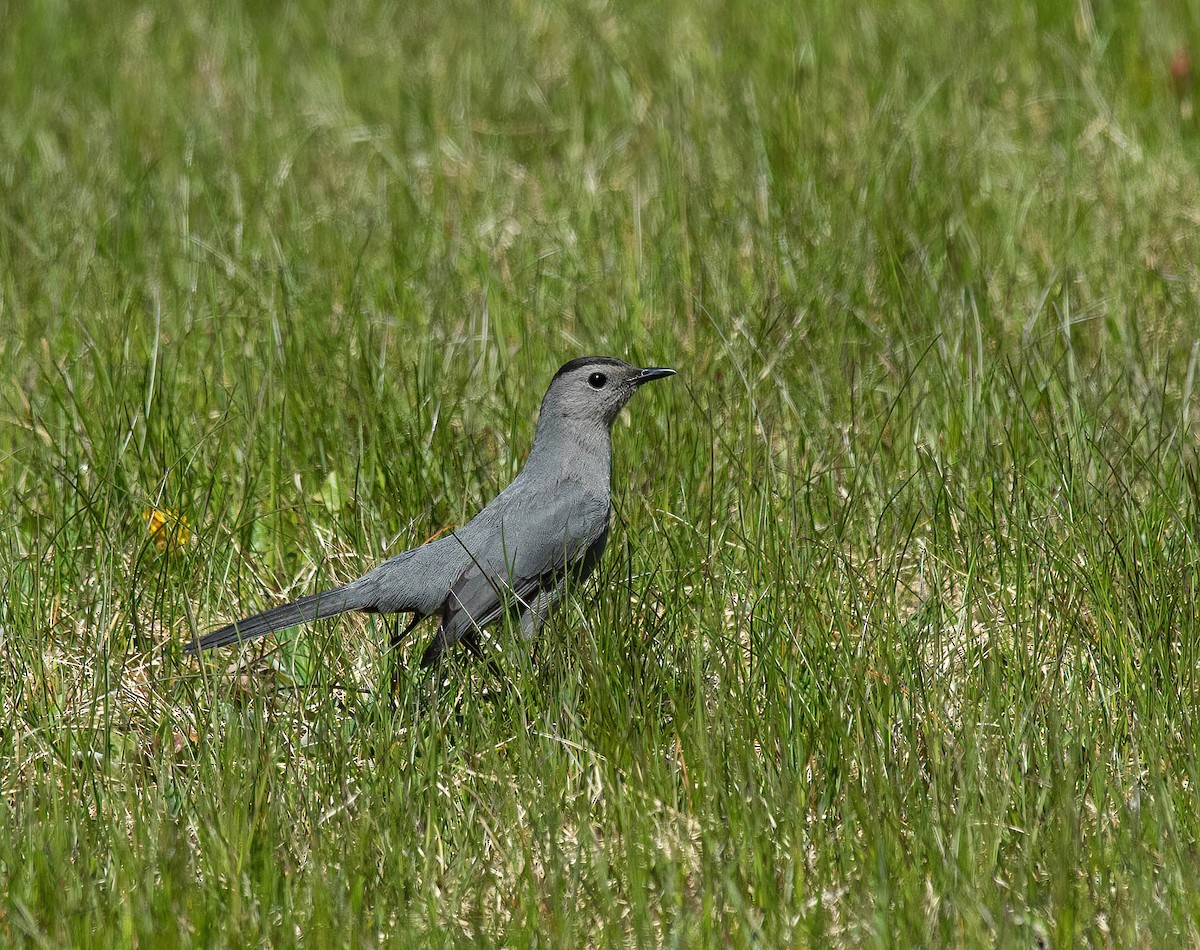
pixel 895 639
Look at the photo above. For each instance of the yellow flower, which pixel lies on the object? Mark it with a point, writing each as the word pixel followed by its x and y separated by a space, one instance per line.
pixel 168 529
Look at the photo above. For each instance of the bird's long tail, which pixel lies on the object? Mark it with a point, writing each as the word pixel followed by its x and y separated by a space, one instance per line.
pixel 314 607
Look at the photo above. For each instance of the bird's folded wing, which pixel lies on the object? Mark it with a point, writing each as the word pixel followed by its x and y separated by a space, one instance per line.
pixel 529 556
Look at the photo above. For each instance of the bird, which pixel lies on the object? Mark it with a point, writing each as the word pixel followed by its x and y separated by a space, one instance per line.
pixel 545 530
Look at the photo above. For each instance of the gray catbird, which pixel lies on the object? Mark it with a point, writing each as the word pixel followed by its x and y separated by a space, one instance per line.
pixel 551 522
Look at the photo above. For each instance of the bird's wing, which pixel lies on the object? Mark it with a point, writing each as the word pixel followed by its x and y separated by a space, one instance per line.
pixel 528 554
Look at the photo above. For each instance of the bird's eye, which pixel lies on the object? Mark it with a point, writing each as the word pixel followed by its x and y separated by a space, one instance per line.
pixel 597 380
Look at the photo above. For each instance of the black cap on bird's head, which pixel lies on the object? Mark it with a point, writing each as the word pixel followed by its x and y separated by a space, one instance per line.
pixel 595 388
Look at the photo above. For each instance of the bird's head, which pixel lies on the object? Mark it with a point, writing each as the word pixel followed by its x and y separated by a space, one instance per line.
pixel 594 389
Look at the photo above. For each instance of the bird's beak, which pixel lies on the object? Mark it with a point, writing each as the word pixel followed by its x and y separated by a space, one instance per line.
pixel 652 373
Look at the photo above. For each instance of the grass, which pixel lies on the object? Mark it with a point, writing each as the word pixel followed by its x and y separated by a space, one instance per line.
pixel 895 642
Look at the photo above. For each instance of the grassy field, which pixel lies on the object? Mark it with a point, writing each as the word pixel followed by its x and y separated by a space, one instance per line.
pixel 895 642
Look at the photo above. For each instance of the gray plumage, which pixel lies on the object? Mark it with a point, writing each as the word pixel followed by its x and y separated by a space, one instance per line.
pixel 551 521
